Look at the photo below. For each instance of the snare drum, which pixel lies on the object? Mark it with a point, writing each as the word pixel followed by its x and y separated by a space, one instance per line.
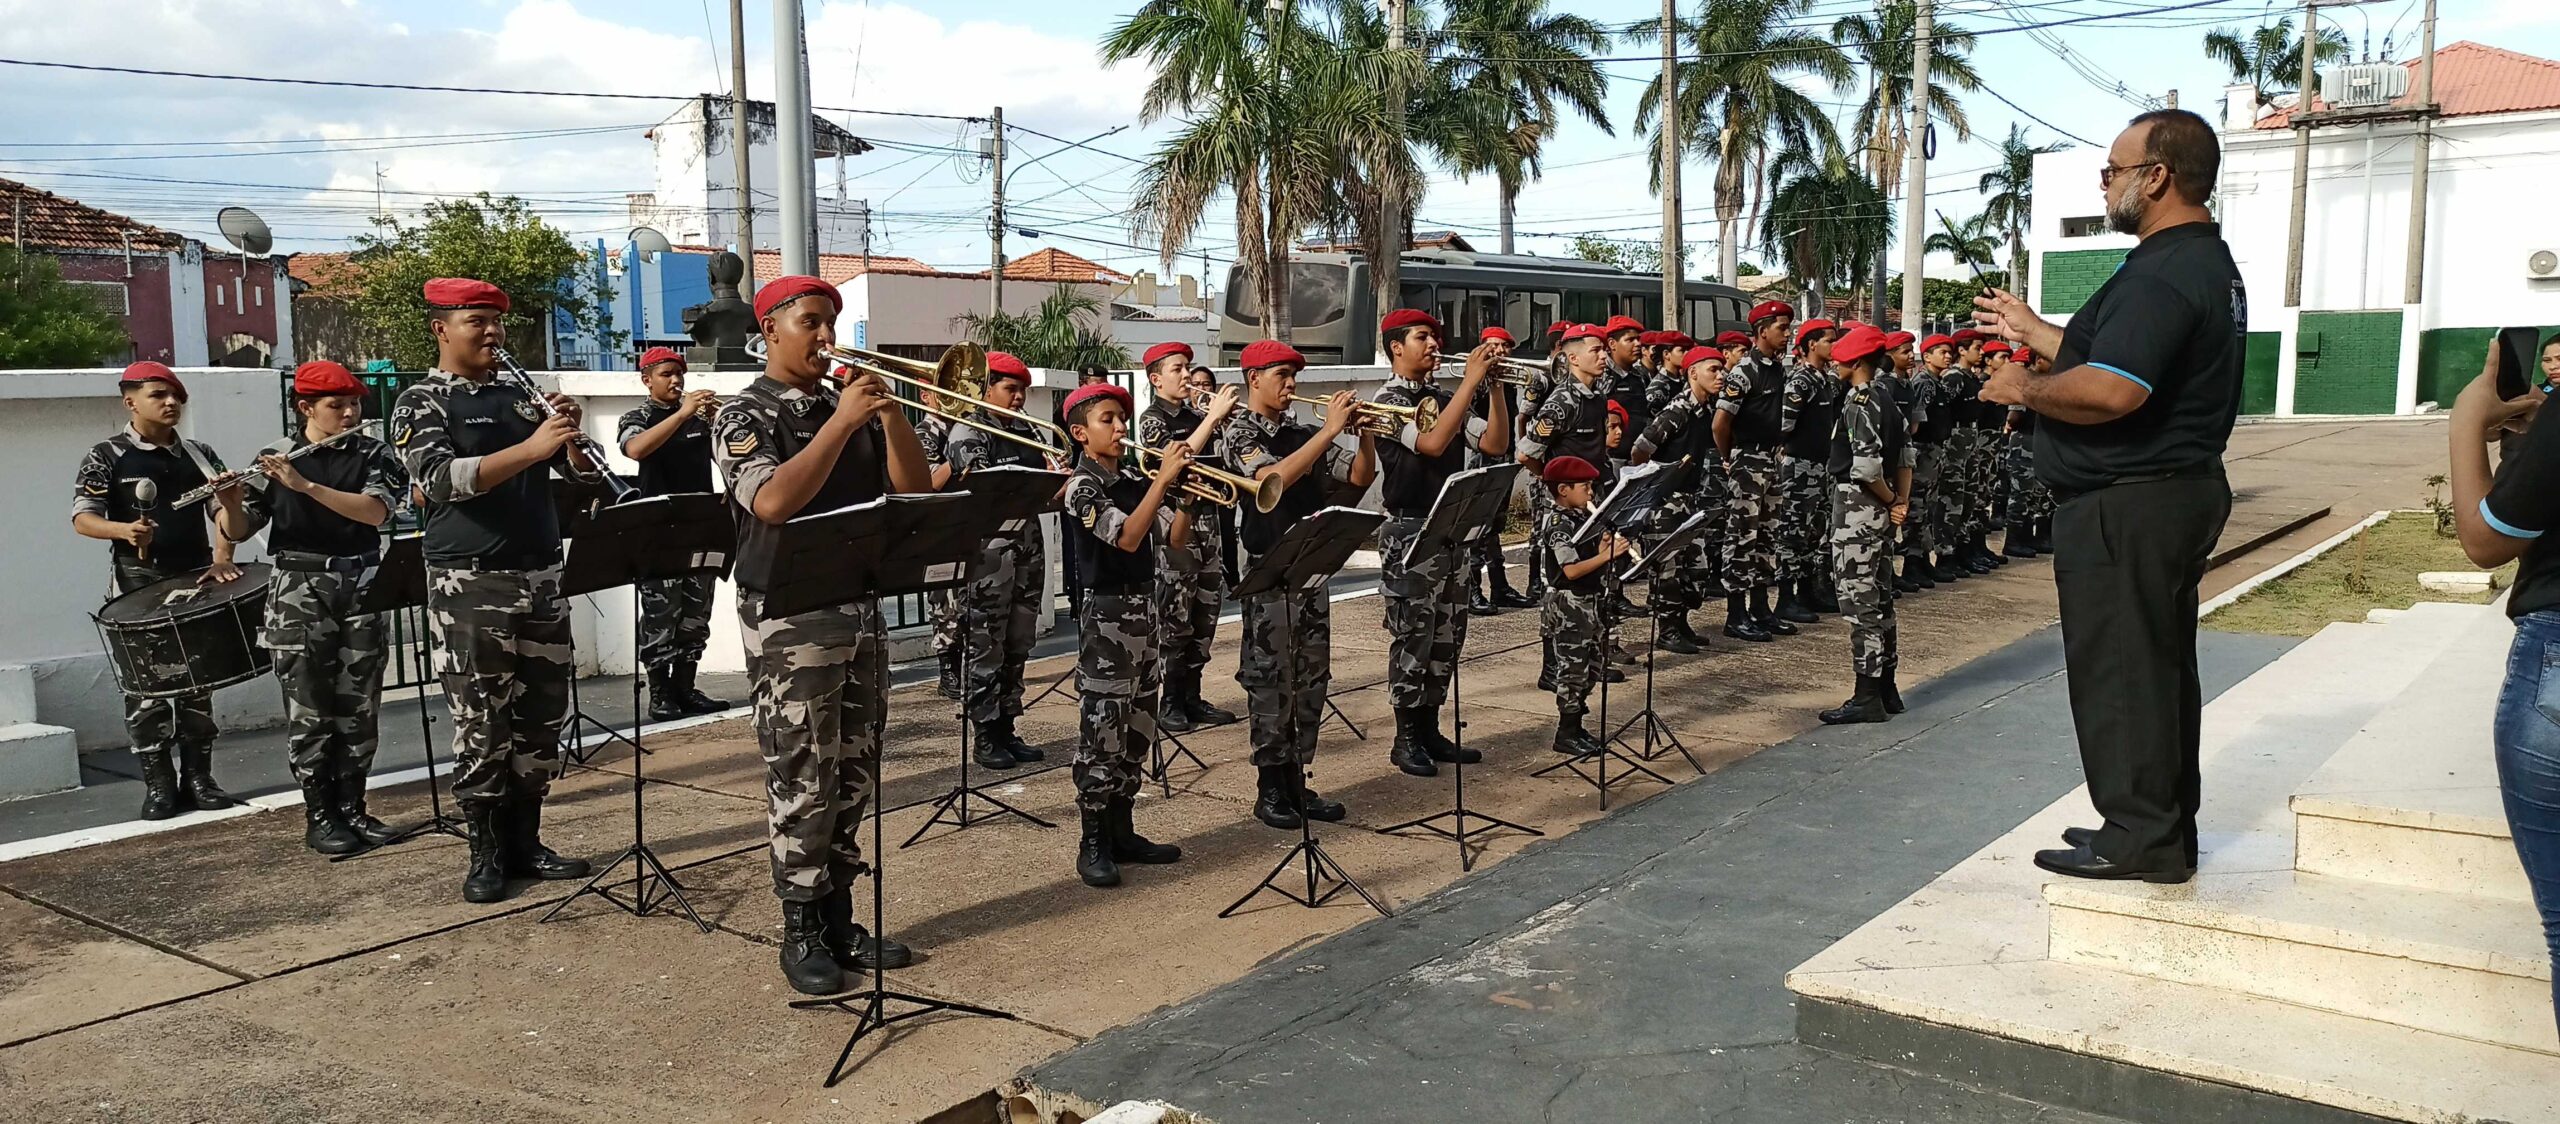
pixel 176 638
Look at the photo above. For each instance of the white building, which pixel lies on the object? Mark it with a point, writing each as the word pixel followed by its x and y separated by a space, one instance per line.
pixel 2353 345
pixel 696 201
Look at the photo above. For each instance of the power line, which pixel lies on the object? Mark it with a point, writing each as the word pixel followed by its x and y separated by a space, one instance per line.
pixel 1985 87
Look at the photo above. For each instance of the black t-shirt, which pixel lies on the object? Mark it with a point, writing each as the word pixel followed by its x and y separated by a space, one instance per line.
pixel 2523 503
pixel 681 465
pixel 2174 319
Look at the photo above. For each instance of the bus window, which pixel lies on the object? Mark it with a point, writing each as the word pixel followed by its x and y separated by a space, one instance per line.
pixel 1635 305
pixel 1413 295
pixel 1483 310
pixel 1586 307
pixel 1527 314
pixel 1698 316
pixel 1451 302
pixel 1731 311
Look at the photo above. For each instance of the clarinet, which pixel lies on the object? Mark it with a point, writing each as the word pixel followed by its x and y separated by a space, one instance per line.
pixel 593 448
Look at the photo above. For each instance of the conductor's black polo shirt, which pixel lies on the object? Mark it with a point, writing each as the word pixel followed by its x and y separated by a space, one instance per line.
pixel 2174 319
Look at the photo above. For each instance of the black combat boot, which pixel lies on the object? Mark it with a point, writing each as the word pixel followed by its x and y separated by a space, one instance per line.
pixel 160 795
pixel 1311 803
pixel 1128 846
pixel 2043 536
pixel 1573 739
pixel 1892 691
pixel 948 686
pixel 1915 568
pixel 1093 851
pixel 1674 634
pixel 1791 606
pixel 1978 559
pixel 1907 578
pixel 1479 605
pixel 690 696
pixel 1983 549
pixel 1769 621
pixel 486 881
pixel 348 792
pixel 525 856
pixel 1173 707
pixel 1867 705
pixel 1407 753
pixel 1620 608
pixel 1820 596
pixel 1739 623
pixel 1945 570
pixel 2018 542
pixel 806 960
pixel 989 751
pixel 851 946
pixel 1206 713
pixel 1438 745
pixel 1276 802
pixel 1022 751
pixel 321 830
pixel 195 764
pixel 664 706
pixel 1505 597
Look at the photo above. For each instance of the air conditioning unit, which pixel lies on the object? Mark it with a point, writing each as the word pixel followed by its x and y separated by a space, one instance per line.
pixel 2542 264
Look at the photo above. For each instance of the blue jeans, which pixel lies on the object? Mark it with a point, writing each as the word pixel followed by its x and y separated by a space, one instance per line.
pixel 2528 747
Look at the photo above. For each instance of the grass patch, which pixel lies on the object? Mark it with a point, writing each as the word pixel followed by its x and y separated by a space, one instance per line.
pixel 2375 570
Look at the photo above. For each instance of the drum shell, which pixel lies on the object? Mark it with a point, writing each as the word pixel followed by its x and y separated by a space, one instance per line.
pixel 159 652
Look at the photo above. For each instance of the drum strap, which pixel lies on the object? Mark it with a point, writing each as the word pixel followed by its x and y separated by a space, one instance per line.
pixel 197 455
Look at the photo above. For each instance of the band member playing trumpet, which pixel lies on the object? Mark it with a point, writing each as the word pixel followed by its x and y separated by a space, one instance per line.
pixel 125 493
pixel 792 443
pixel 1286 665
pixel 485 453
pixel 1426 602
pixel 670 438
pixel 1118 521
pixel 1191 588
pixel 1008 578
pixel 323 508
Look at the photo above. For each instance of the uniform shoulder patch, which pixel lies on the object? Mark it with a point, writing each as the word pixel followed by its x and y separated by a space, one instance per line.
pixel 742 441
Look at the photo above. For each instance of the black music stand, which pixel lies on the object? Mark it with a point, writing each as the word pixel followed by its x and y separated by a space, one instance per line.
pixel 654 539
pixel 1659 738
pixel 1629 495
pixel 1295 566
pixel 1471 506
pixel 572 500
pixel 400 582
pixel 998 496
pixel 902 544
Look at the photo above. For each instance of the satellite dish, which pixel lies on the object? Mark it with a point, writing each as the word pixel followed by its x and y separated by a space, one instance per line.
pixel 648 243
pixel 245 231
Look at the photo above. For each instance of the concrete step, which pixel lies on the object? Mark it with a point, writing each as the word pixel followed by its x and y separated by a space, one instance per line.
pixel 2454 964
pixel 36 759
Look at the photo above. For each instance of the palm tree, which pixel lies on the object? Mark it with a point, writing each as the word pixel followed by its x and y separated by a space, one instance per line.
pixel 2011 184
pixel 1884 44
pixel 1973 242
pixel 1064 332
pixel 2270 58
pixel 1738 99
pixel 1346 95
pixel 1826 219
pixel 1512 67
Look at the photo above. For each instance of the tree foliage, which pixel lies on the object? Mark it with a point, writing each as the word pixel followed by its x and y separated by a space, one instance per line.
pixel 1884 42
pixel 47 322
pixel 1635 255
pixel 1972 242
pixel 1499 93
pixel 2269 57
pixel 494 239
pixel 2011 184
pixel 1944 298
pixel 1827 221
pixel 1062 332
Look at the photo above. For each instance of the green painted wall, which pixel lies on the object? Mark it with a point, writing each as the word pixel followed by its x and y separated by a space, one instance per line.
pixel 2071 277
pixel 2258 382
pixel 2347 363
pixel 2449 358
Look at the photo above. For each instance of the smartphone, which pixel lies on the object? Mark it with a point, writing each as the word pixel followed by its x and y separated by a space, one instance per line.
pixel 2515 360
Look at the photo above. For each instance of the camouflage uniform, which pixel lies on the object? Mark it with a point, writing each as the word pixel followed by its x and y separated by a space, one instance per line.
pixel 1919 531
pixel 821 677
pixel 1426 598
pixel 1571 616
pixel 2029 500
pixel 1862 528
pixel 1002 598
pixel 675 614
pixel 1813 395
pixel 1681 429
pixel 328 657
pixel 104 487
pixel 1568 421
pixel 1954 497
pixel 1118 672
pixel 1288 634
pixel 941 605
pixel 500 626
pixel 1755 505
pixel 1194 581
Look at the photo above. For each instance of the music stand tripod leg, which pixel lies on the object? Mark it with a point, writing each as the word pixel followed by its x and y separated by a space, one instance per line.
pixel 1318 865
pixel 955 803
pixel 646 869
pixel 1458 832
pixel 437 822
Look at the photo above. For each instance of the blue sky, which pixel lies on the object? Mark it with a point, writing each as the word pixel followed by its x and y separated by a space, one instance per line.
pixel 145 149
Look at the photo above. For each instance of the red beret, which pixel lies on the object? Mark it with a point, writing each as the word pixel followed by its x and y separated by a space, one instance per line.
pixel 1496 333
pixel 1965 335
pixel 1996 347
pixel 321 376
pixel 1584 332
pixel 1269 353
pixel 1087 393
pixel 1893 340
pixel 1860 342
pixel 1732 339
pixel 148 371
pixel 1937 341
pixel 1809 327
pixel 1568 470
pixel 1168 347
pixel 1403 318
pixel 1679 339
pixel 1619 324
pixel 783 290
pixel 1560 327
pixel 657 355
pixel 1694 356
pixel 1004 363
pixel 2023 355
pixel 1649 339
pixel 1618 410
pixel 463 292
pixel 1767 309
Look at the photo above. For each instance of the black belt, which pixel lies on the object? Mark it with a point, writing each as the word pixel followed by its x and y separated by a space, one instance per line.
pixel 1123 589
pixel 309 562
pixel 509 563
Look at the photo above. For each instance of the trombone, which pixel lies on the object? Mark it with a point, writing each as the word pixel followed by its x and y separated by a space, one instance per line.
pixel 1218 486
pixel 1377 419
pixel 961 364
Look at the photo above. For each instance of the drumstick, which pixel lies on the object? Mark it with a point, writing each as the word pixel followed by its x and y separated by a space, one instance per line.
pixel 145 494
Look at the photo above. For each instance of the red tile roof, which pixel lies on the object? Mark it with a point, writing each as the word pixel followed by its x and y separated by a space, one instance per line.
pixel 55 223
pixel 2474 79
pixel 1059 265
pixel 328 275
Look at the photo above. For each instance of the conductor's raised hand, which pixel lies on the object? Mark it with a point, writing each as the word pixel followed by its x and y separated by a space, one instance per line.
pixel 2004 314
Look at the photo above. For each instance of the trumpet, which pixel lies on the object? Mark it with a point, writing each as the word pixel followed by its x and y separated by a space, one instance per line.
pixel 1506 370
pixel 593 448
pixel 962 364
pixel 199 495
pixel 1218 486
pixel 1378 419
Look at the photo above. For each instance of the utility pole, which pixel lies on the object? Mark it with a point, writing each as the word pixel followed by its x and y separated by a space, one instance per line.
pixel 1670 137
pixel 1386 275
pixel 2301 157
pixel 1915 179
pixel 2414 288
pixel 793 155
pixel 995 222
pixel 738 141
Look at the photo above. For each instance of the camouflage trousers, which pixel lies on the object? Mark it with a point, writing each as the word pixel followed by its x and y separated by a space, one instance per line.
pixel 1572 624
pixel 1118 681
pixel 1752 514
pixel 1919 534
pixel 329 659
pixel 2029 500
pixel 1804 541
pixel 1002 599
pixel 502 650
pixel 1189 593
pixel 942 606
pixel 822 694
pixel 1990 482
pixel 1861 565
pixel 1675 587
pixel 1951 501
pixel 162 725
pixel 1288 643
pixel 675 620
pixel 1426 611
